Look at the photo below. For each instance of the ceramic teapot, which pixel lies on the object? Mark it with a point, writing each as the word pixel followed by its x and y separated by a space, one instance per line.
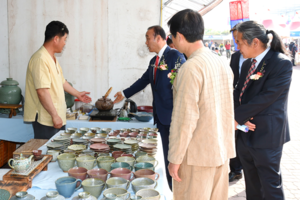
pixel 20 164
pixel 105 103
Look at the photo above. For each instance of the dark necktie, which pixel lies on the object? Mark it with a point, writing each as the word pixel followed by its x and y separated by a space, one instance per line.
pixel 155 69
pixel 250 72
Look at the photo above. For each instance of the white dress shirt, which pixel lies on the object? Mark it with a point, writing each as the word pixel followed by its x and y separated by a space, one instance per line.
pixel 260 57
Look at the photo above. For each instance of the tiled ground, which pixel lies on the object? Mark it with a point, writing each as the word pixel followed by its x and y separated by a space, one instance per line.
pixel 290 163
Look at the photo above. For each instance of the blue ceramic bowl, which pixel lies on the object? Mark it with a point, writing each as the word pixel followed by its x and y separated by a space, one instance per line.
pixel 143 116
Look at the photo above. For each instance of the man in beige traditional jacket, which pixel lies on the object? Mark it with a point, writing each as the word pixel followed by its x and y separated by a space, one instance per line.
pixel 202 131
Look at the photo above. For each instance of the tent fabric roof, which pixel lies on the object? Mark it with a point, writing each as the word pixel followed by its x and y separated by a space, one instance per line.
pixel 170 7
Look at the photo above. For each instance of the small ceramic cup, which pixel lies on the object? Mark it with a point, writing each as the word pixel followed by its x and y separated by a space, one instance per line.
pixel 116 193
pixel 88 162
pixel 98 173
pixel 143 165
pixel 105 162
pixel 94 186
pixel 66 186
pixel 148 159
pixel 143 183
pixel 78 173
pixel 126 159
pixel 123 173
pixel 66 161
pixel 117 182
pixel 147 173
pixel 149 194
pixel 54 154
pixel 121 165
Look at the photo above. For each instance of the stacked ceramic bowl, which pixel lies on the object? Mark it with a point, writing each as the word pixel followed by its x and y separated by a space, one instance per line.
pixel 55 146
pixel 112 142
pixel 149 146
pixel 63 140
pixel 123 147
pixel 100 148
pixel 133 143
pixel 77 148
pixel 105 130
pixel 97 140
pixel 80 141
pixel 89 135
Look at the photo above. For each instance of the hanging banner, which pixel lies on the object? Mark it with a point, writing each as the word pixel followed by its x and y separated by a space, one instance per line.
pixel 239 12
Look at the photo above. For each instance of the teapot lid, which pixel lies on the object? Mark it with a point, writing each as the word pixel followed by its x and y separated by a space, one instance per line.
pixel 9 82
pixel 21 157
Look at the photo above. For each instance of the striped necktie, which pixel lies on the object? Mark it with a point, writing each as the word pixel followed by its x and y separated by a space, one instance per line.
pixel 250 72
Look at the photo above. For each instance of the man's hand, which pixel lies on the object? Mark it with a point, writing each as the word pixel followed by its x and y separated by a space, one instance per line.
pixel 82 96
pixel 57 122
pixel 119 97
pixel 173 170
pixel 250 125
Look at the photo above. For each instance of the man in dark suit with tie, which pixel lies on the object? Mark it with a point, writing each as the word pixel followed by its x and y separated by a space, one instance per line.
pixel 236 63
pixel 260 100
pixel 160 85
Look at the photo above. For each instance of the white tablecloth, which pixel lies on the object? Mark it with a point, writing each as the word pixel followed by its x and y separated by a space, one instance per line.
pixel 45 180
pixel 16 130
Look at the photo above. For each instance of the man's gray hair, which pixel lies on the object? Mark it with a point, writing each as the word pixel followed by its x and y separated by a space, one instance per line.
pixel 251 30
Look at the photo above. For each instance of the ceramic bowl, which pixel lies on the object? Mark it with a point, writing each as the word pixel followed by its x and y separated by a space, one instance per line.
pixel 143 183
pixel 121 165
pixel 101 135
pixel 98 173
pixel 78 173
pixel 37 152
pixel 71 130
pixel 146 173
pixel 94 186
pixel 105 162
pixel 119 192
pixel 88 162
pixel 53 195
pixel 54 154
pixel 148 159
pixel 143 165
pixel 66 161
pixel 19 196
pixel 84 130
pixel 84 196
pixel 148 194
pixel 126 159
pixel 95 129
pixel 123 173
pixel 90 135
pixel 117 182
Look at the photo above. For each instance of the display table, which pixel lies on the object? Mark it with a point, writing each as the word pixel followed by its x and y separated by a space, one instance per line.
pixel 16 130
pixel 45 181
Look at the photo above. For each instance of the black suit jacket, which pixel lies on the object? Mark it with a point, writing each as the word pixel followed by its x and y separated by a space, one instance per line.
pixel 234 64
pixel 162 88
pixel 265 100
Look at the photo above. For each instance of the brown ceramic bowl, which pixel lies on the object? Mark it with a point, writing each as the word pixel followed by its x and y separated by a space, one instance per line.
pixel 146 173
pixel 98 173
pixel 127 154
pixel 78 173
pixel 123 173
pixel 36 152
pixel 117 154
pixel 133 134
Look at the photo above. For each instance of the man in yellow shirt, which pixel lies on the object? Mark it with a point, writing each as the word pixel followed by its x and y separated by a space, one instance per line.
pixel 45 104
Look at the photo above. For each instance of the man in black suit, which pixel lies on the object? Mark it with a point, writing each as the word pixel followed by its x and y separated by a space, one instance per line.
pixel 260 100
pixel 236 63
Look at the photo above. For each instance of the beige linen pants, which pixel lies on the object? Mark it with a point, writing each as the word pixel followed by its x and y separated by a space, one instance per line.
pixel 201 183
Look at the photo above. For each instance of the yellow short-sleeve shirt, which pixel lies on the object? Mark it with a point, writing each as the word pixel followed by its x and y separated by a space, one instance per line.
pixel 43 72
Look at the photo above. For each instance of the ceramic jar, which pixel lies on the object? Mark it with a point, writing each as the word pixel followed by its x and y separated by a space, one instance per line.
pixel 10 93
pixel 104 104
pixel 20 164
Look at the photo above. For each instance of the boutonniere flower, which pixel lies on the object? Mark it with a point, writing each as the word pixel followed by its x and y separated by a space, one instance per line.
pixel 162 65
pixel 259 74
pixel 173 73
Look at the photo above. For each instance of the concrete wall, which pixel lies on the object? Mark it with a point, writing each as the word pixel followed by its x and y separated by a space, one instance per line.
pixel 102 47
pixel 4 63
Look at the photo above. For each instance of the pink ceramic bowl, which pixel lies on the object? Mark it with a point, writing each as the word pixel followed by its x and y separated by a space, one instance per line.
pixel 98 173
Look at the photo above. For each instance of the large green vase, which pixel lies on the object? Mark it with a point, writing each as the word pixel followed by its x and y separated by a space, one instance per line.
pixel 10 93
pixel 69 99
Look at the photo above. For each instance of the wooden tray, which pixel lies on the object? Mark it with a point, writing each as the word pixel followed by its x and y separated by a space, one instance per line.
pixel 26 149
pixel 13 187
pixel 43 166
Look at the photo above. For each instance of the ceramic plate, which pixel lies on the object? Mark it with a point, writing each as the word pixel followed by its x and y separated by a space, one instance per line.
pixel 54 145
pixel 122 146
pixel 4 194
pixel 77 147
